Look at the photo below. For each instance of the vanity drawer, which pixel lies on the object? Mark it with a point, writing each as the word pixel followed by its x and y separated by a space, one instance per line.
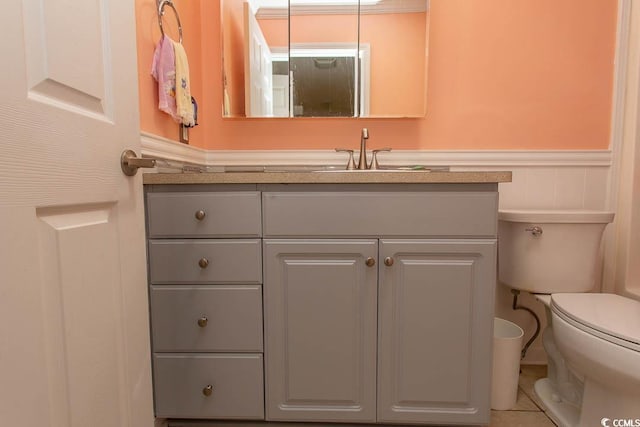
pixel 236 382
pixel 179 261
pixel 223 214
pixel 371 214
pixel 207 318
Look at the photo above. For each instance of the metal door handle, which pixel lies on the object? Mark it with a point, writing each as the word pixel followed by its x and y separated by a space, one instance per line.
pixel 130 163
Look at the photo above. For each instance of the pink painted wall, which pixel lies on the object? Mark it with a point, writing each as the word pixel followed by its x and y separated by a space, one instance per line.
pixel 531 74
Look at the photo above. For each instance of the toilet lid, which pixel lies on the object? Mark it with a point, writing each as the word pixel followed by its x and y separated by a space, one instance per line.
pixel 616 318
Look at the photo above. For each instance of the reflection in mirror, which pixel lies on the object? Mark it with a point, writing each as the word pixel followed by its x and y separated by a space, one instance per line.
pixel 323 59
pixel 326 68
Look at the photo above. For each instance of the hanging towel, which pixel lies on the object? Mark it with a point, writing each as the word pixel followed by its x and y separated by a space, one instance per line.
pixel 163 70
pixel 183 87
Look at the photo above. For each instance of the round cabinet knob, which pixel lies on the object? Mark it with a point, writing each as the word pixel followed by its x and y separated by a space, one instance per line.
pixel 203 321
pixel 200 215
pixel 388 261
pixel 370 262
pixel 203 263
pixel 207 390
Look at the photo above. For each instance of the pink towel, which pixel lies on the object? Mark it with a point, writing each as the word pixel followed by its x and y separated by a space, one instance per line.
pixel 164 71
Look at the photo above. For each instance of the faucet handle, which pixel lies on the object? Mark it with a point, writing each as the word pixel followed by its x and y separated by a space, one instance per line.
pixel 351 164
pixel 374 159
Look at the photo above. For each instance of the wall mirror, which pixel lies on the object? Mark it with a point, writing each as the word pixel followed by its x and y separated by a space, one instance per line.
pixel 324 58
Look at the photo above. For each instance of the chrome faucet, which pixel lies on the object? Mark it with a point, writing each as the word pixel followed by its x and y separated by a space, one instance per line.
pixel 362 162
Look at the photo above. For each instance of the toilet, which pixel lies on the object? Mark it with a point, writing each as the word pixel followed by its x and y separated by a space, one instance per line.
pixel 592 340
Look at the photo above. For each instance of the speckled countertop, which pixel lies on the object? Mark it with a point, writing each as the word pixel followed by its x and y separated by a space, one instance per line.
pixel 328 177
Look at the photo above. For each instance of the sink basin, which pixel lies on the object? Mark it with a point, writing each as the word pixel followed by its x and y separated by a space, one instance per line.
pixel 331 168
pixel 415 168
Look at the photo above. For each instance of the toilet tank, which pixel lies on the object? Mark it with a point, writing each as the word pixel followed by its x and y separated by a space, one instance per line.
pixel 565 257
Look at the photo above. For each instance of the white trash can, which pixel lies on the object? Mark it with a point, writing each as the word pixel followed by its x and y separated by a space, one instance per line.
pixel 507 345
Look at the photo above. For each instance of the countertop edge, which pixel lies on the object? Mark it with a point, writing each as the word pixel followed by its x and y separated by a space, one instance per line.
pixel 461 177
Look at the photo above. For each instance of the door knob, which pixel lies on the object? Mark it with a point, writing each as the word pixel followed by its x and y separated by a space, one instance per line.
pixel 130 163
pixel 370 262
pixel 388 261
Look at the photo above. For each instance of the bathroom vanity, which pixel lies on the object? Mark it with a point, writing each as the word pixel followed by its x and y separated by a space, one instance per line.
pixel 338 297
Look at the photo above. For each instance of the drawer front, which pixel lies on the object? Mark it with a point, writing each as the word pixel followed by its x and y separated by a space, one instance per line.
pixel 236 382
pixel 205 261
pixel 207 318
pixel 362 214
pixel 225 214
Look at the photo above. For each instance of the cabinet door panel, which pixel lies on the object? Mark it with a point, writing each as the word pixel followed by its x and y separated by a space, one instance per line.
pixel 435 330
pixel 320 329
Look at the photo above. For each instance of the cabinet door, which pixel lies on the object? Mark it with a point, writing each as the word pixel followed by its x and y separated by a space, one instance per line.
pixel 320 329
pixel 435 330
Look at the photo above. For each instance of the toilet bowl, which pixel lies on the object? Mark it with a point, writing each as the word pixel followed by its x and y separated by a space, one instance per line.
pixel 599 337
pixel 592 340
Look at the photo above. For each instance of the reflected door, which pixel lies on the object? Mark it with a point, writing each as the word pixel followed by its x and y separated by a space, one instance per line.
pixel 258 71
pixel 74 340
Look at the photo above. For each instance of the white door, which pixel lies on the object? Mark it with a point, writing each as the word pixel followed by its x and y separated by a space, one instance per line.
pixel 281 95
pixel 258 84
pixel 74 340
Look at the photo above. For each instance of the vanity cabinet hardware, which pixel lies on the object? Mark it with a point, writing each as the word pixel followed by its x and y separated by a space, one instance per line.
pixel 203 263
pixel 203 321
pixel 200 214
pixel 207 390
pixel 370 262
pixel 388 261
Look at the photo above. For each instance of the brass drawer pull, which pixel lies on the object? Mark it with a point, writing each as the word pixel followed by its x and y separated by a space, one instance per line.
pixel 200 215
pixel 207 390
pixel 203 321
pixel 388 261
pixel 203 263
pixel 370 262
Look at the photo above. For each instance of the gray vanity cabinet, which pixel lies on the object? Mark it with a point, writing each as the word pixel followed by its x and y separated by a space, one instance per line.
pixel 205 276
pixel 435 306
pixel 347 303
pixel 320 323
pixel 432 280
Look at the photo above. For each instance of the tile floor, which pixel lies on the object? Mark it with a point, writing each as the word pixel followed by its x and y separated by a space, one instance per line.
pixel 528 411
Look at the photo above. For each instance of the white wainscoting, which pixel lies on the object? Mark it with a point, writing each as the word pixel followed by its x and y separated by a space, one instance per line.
pixel 541 180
